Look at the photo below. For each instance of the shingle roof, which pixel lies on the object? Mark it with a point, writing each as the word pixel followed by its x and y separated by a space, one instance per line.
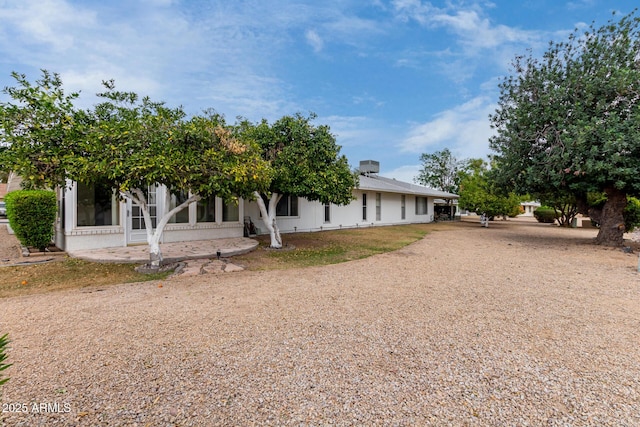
pixel 380 183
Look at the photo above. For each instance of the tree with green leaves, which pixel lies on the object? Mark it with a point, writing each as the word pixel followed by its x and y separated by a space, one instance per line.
pixel 129 144
pixel 39 131
pixel 441 171
pixel 568 122
pixel 305 161
pixel 478 194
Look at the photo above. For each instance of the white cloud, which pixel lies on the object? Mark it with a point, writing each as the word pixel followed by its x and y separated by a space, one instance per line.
pixel 474 31
pixel 404 173
pixel 464 129
pixel 314 40
pixel 48 22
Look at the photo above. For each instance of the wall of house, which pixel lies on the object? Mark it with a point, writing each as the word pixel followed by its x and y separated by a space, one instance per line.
pixel 529 207
pixel 311 214
pixel 186 232
pixel 72 237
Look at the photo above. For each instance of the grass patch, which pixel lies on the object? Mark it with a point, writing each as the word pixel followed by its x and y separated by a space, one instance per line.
pixel 332 247
pixel 303 250
pixel 68 273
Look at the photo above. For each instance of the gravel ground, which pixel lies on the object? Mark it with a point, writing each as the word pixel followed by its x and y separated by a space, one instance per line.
pixel 520 324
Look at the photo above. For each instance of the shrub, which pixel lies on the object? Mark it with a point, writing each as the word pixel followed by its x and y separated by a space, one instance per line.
pixel 31 215
pixel 632 214
pixel 545 214
pixel 4 342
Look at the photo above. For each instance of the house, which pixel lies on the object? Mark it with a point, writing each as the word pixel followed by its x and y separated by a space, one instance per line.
pixel 377 201
pixel 529 208
pixel 92 217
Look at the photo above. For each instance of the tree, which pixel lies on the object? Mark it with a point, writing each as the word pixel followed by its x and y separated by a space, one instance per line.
pixel 38 131
pixel 477 193
pixel 129 144
pixel 564 205
pixel 567 123
pixel 305 161
pixel 139 144
pixel 441 171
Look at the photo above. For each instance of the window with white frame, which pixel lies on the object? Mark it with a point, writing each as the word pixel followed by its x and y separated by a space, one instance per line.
pixel 287 206
pixel 97 205
pixel 422 208
pixel 206 209
pixel 327 212
pixel 182 217
pixel 364 206
pixel 403 207
pixel 378 206
pixel 230 211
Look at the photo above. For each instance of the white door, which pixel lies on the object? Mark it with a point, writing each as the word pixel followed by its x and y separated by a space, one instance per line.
pixel 137 232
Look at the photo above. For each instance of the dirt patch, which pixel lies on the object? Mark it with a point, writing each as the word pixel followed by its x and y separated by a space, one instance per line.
pixel 10 251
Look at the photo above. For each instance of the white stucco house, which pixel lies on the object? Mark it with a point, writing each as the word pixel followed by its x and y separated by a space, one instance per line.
pixel 94 217
pixel 529 207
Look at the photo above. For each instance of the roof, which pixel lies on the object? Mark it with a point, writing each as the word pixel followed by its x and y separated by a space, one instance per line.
pixel 390 185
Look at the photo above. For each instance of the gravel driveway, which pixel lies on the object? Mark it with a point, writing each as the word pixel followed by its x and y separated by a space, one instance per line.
pixel 520 324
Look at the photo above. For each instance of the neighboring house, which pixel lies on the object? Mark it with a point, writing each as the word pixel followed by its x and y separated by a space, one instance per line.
pixel 3 190
pixel 92 217
pixel 529 207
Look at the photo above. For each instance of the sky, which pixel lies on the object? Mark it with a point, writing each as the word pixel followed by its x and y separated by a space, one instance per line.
pixel 392 78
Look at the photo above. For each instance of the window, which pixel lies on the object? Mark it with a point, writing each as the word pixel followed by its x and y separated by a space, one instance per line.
pixel 403 207
pixel 327 212
pixel 181 217
pixel 287 206
pixel 97 205
pixel 206 209
pixel 137 216
pixel 364 206
pixel 378 206
pixel 230 211
pixel 421 206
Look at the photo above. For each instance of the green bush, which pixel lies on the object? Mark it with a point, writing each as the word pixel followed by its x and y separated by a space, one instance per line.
pixel 545 214
pixel 31 214
pixel 632 214
pixel 4 342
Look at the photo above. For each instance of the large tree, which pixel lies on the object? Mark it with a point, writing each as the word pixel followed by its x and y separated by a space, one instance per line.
pixel 442 171
pixel 479 194
pixel 305 161
pixel 568 122
pixel 129 144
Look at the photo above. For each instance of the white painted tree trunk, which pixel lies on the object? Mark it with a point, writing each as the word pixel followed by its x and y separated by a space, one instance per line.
pixel 154 235
pixel 269 217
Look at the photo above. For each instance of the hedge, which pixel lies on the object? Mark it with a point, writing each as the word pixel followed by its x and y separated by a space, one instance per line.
pixel 31 214
pixel 545 214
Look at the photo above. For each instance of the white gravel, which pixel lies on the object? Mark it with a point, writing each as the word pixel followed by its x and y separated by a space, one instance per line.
pixel 519 324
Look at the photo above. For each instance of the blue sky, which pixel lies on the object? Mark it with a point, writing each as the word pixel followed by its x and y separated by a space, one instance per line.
pixel 393 79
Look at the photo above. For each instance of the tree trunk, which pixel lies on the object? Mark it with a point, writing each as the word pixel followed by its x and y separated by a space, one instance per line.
pixel 269 218
pixel 612 221
pixel 155 254
pixel 154 236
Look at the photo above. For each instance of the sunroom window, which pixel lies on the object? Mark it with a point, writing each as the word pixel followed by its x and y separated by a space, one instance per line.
pixel 97 205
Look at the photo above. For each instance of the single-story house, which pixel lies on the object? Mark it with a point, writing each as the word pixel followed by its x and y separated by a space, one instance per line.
pixel 92 217
pixel 529 207
pixel 377 201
